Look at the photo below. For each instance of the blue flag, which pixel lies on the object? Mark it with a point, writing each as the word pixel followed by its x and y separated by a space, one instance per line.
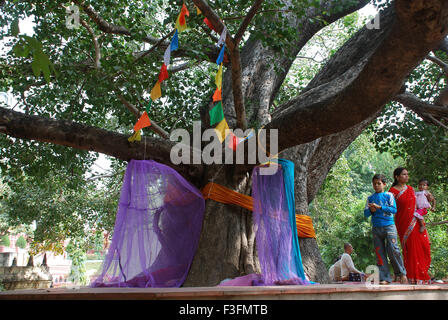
pixel 221 55
pixel 175 42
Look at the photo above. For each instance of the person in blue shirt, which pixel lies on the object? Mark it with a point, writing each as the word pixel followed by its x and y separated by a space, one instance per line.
pixel 381 207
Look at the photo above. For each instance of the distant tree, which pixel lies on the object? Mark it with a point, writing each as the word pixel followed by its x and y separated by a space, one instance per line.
pixel 21 243
pixel 4 241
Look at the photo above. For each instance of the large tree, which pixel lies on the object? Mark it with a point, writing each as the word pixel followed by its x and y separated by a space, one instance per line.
pixel 102 70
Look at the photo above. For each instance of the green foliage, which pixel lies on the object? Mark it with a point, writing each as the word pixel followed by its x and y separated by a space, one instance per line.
pixel 47 184
pixel 76 250
pixel 4 241
pixel 21 242
pixel 338 208
pixel 315 54
pixel 424 148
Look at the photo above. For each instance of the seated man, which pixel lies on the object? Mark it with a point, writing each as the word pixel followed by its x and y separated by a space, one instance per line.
pixel 348 270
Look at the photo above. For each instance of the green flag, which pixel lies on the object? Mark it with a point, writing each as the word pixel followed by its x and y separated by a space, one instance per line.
pixel 148 106
pixel 216 114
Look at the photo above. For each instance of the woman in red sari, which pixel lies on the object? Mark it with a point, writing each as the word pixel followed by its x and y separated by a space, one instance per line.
pixel 415 244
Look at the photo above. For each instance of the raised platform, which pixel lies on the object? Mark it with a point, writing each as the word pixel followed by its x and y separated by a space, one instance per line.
pixel 310 292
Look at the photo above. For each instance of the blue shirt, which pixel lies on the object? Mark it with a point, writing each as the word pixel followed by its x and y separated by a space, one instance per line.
pixel 384 216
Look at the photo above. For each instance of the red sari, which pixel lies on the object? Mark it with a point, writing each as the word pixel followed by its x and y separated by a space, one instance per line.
pixel 415 245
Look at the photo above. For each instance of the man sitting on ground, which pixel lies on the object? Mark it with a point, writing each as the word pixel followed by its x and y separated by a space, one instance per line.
pixel 344 269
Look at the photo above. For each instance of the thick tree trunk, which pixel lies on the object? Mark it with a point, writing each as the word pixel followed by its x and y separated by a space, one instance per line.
pixel 227 244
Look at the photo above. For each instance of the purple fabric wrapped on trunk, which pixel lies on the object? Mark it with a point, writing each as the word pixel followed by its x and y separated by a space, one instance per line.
pixel 273 229
pixel 273 235
pixel 157 229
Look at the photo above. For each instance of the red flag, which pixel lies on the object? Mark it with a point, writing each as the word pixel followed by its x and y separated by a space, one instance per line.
pixel 142 122
pixel 207 22
pixel 182 19
pixel 217 95
pixel 184 10
pixel 163 75
pixel 233 141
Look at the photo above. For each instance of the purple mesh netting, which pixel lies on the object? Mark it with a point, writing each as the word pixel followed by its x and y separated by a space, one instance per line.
pixel 273 229
pixel 273 235
pixel 157 229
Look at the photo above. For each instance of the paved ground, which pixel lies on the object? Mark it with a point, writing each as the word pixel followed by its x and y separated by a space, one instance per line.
pixel 309 292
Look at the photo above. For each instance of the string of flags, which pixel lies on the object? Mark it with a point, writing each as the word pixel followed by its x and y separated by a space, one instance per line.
pixel 216 113
pixel 156 92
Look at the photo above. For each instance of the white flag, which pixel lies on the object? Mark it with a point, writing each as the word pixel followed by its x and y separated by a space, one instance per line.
pixel 167 56
pixel 222 38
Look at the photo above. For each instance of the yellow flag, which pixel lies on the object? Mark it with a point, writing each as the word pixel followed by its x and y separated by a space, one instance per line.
pixel 156 92
pixel 218 78
pixel 198 11
pixel 136 136
pixel 221 130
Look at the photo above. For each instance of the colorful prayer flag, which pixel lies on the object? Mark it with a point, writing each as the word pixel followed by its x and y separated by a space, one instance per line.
pixel 207 22
pixel 217 95
pixel 142 122
pixel 218 78
pixel 163 75
pixel 175 41
pixel 148 106
pixel 156 92
pixel 251 133
pixel 233 141
pixel 135 137
pixel 167 55
pixel 216 114
pixel 222 38
pixel 221 55
pixel 181 23
pixel 184 10
pixel 221 130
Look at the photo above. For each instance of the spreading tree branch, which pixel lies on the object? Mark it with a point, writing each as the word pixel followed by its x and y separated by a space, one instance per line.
pixel 154 126
pixel 247 19
pixel 95 43
pixel 366 73
pixel 439 62
pixel 84 137
pixel 430 113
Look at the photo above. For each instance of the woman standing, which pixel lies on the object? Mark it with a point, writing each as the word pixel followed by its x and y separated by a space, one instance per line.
pixel 415 244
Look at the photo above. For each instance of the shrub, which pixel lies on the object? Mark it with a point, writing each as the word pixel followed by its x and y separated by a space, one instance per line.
pixel 21 242
pixel 4 241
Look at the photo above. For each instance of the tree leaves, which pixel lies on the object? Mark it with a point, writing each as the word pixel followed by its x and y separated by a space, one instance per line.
pixel 41 64
pixel 15 27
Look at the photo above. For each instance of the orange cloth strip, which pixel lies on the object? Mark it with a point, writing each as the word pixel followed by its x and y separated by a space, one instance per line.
pixel 305 227
pixel 225 195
